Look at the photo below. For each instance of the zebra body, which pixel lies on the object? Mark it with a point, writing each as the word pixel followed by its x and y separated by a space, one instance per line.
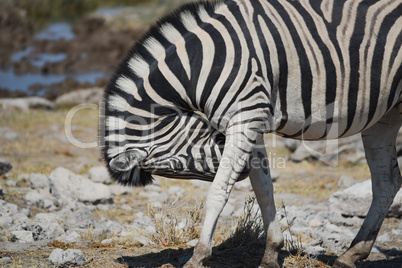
pixel 303 69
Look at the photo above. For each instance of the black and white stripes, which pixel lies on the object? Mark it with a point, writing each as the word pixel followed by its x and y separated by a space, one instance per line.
pixel 194 96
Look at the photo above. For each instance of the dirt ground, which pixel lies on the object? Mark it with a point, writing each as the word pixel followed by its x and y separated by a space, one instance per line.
pixel 41 147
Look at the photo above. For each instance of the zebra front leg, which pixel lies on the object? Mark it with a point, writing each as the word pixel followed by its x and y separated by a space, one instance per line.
pixel 235 155
pixel 261 181
pixel 379 144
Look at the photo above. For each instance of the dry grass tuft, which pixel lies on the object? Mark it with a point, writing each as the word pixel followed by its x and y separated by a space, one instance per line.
pixel 171 227
pixel 92 235
pixel 249 228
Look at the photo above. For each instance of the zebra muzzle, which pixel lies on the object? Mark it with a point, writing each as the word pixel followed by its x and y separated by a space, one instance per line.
pixel 126 161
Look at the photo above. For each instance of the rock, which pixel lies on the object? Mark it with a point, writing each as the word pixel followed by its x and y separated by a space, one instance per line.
pixel 274 175
pixel 5 166
pixel 176 191
pixel 39 181
pixel 243 185
pixel 27 103
pixel 11 183
pixel 295 216
pixel 345 182
pixel 79 219
pixel 99 174
pixel 228 210
pixel 8 134
pixel 68 258
pixel 6 260
pixel 327 151
pixel 71 236
pixel 383 238
pixel 315 250
pixel 21 236
pixel 91 95
pixel 107 241
pixel 120 189
pixel 35 198
pixel 50 227
pixel 7 209
pixel 68 186
pixel 356 200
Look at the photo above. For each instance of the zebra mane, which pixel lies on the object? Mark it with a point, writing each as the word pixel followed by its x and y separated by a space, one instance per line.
pixel 139 56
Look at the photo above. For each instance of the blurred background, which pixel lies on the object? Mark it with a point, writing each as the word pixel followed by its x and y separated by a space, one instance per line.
pixel 49 47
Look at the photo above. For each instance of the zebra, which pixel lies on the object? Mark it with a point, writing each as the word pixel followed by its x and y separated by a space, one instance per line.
pixel 193 98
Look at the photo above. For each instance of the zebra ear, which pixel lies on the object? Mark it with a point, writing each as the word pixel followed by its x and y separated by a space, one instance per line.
pixel 125 161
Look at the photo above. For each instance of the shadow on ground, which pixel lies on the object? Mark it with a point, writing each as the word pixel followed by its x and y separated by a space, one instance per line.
pixel 244 255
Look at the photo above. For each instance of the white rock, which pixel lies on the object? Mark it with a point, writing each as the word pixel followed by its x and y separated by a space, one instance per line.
pixel 383 238
pixel 346 181
pixel 22 236
pixel 81 219
pixel 99 174
pixel 356 200
pixel 116 189
pixel 26 103
pixel 176 191
pixel 91 95
pixel 68 258
pixel 315 250
pixel 49 223
pixel 39 181
pixel 68 186
pixel 228 210
pixel 71 236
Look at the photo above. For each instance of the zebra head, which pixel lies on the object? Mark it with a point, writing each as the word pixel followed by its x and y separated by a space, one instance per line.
pixel 182 145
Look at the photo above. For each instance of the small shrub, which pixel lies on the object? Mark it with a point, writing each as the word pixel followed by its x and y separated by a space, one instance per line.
pixel 173 228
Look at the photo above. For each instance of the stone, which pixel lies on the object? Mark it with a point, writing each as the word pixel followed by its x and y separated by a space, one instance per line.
pixel 79 219
pixel 50 226
pixel 68 186
pixel 26 103
pixel 71 236
pixel 11 183
pixel 356 200
pixel 35 198
pixel 116 189
pixel 21 236
pixel 228 210
pixel 39 181
pixel 346 182
pixel 315 250
pixel 5 166
pixel 90 95
pixel 5 260
pixel 99 174
pixel 8 134
pixel 176 191
pixel 68 258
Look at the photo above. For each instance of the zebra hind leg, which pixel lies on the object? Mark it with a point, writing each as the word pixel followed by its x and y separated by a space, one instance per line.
pixel 262 185
pixel 379 145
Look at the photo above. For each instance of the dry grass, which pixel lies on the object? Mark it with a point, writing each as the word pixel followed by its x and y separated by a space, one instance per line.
pixel 42 145
pixel 173 228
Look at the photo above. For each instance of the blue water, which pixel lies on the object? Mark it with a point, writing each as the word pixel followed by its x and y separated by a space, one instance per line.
pixel 56 31
pixel 21 82
pixel 12 81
